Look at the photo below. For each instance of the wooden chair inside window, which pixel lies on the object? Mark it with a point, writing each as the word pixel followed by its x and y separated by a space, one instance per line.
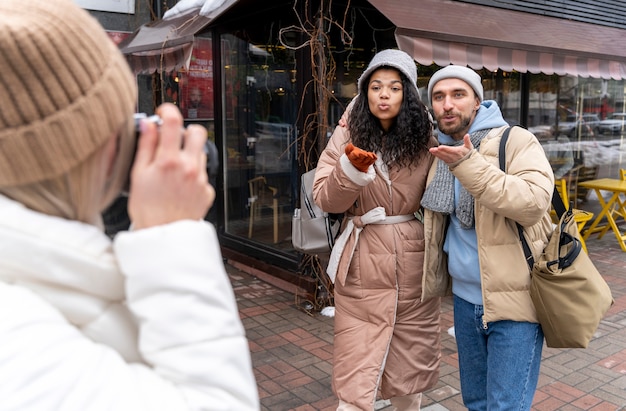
pixel 581 217
pixel 583 174
pixel 616 211
pixel 262 196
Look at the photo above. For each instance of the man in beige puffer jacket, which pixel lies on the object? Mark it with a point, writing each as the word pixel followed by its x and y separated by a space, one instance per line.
pixel 473 251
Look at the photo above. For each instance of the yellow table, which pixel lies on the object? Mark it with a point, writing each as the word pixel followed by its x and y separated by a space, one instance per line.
pixel 616 187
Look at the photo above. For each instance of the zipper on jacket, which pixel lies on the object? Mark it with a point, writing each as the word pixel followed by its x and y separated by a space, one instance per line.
pixel 482 288
pixel 390 191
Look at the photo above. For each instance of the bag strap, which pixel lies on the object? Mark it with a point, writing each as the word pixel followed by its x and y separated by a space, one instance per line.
pixel 557 201
pixel 530 260
pixel 559 207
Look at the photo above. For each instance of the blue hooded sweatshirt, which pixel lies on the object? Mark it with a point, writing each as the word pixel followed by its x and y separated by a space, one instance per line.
pixel 460 244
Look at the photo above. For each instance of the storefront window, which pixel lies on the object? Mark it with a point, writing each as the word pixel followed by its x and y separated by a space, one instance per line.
pixel 581 122
pixel 260 107
pixel 196 92
pixel 577 121
pixel 192 89
pixel 503 87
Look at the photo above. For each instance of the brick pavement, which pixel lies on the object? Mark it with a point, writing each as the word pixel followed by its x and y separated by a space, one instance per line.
pixel 292 350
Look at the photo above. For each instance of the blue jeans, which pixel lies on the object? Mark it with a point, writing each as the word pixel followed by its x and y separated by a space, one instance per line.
pixel 499 365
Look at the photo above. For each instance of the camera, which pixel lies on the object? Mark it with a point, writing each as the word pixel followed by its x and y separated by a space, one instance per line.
pixel 209 148
pixel 137 117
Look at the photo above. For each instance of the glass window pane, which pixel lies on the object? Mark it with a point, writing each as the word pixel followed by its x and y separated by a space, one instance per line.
pixel 259 104
pixel 578 122
pixel 504 88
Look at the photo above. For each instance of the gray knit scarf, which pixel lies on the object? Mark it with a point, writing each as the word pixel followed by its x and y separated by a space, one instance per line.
pixel 439 195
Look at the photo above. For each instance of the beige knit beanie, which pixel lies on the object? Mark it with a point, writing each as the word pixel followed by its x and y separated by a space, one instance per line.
pixel 65 89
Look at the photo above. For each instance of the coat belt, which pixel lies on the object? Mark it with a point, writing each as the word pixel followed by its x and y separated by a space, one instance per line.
pixel 340 253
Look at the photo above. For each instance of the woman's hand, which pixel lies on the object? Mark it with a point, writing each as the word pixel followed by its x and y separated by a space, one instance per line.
pixel 359 158
pixel 169 181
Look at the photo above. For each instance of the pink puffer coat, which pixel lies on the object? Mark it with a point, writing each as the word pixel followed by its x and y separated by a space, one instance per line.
pixel 385 337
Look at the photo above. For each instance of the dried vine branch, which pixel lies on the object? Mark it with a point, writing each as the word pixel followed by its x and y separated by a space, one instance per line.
pixel 315 31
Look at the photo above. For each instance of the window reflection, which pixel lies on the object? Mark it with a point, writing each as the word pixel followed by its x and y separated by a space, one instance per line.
pixel 580 122
pixel 575 127
pixel 260 104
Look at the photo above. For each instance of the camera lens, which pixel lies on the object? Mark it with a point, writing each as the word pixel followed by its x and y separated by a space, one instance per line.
pixel 137 117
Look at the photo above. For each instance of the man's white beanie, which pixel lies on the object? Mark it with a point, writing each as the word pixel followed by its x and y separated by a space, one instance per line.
pixel 392 58
pixel 459 72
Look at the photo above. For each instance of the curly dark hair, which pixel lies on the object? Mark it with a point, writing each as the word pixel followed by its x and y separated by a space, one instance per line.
pixel 406 141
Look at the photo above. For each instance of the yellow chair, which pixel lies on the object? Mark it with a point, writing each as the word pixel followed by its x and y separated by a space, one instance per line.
pixel 616 211
pixel 581 217
pixel 262 195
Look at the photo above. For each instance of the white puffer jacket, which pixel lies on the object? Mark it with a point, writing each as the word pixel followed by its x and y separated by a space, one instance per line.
pixel 148 322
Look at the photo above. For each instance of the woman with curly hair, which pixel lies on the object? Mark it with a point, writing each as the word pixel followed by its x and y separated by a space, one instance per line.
pixel 387 341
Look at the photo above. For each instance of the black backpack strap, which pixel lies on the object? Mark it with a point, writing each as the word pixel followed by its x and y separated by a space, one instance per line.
pixel 502 151
pixel 557 201
pixel 502 159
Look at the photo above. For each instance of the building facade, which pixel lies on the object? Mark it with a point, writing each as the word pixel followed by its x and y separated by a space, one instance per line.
pixel 270 82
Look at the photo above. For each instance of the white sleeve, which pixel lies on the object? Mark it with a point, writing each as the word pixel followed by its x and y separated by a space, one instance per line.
pixel 190 336
pixel 189 326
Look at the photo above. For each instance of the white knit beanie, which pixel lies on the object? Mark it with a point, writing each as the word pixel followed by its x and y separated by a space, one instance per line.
pixel 392 58
pixel 459 72
pixel 65 89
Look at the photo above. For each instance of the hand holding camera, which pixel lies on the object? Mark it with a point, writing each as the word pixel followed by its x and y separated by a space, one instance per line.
pixel 168 178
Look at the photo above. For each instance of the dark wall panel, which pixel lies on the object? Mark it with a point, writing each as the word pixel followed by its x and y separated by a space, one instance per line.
pixel 611 13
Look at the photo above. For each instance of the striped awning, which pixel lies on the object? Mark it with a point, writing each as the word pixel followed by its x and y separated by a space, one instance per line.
pixel 428 51
pixel 165 45
pixel 452 32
